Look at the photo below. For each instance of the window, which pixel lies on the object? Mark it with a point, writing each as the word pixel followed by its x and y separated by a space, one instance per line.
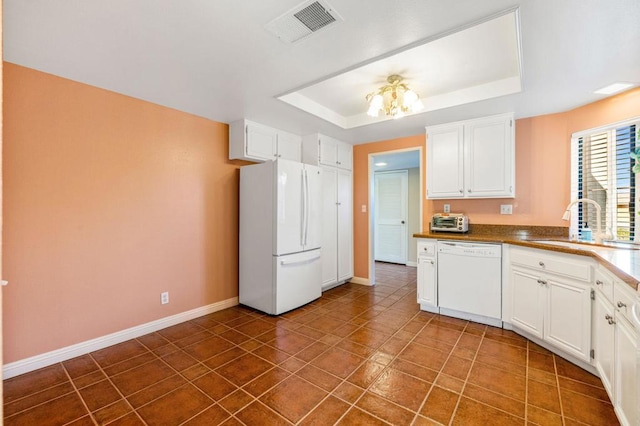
pixel 601 171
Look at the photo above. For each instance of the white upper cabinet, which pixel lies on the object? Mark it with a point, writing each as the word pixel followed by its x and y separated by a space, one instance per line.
pixel 445 176
pixel 323 150
pixel 472 159
pixel 256 142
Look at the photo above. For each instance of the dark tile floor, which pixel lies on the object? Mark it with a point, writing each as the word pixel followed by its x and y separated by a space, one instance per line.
pixel 358 355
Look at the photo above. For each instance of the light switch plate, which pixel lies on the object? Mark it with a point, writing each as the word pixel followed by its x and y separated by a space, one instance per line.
pixel 363 209
pixel 506 209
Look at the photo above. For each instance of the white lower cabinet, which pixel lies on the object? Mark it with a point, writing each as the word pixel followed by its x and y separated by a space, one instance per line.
pixel 604 341
pixel 551 299
pixel 626 370
pixel 427 276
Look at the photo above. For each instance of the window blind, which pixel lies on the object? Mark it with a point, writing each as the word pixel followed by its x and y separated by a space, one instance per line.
pixel 602 172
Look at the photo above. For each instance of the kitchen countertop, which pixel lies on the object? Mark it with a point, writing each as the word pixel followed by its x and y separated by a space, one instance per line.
pixel 623 262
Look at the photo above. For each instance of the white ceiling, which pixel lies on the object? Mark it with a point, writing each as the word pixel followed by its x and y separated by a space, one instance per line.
pixel 215 58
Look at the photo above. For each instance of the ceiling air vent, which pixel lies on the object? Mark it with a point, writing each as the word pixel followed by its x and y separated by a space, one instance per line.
pixel 303 20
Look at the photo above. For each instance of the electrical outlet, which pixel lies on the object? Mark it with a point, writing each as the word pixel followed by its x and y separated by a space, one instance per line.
pixel 164 298
pixel 447 208
pixel 506 209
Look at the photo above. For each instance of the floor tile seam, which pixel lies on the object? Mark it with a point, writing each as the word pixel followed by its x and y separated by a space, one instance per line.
pixel 464 384
pixel 122 397
pixel 6 404
pixel 215 403
pixel 103 369
pixel 555 371
pixel 388 367
pixel 79 395
pixel 74 390
pixel 585 396
pixel 526 386
pixel 199 412
pixel 268 408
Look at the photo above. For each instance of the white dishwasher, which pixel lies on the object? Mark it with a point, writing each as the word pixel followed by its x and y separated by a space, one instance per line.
pixel 470 281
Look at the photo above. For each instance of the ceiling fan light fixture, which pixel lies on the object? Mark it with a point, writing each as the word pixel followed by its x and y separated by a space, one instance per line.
pixel 395 99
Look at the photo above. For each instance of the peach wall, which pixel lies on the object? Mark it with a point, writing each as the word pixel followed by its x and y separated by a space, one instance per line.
pixel 542 171
pixel 361 194
pixel 108 201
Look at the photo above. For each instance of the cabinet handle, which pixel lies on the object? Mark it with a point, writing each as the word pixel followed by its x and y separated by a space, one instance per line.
pixel 541 263
pixel 622 304
pixel 461 191
pixel 432 262
pixel 468 190
pixel 609 319
pixel 598 282
pixel 543 282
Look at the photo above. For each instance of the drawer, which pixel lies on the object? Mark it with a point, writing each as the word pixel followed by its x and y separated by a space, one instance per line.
pixel 427 248
pixel 558 263
pixel 623 299
pixel 604 282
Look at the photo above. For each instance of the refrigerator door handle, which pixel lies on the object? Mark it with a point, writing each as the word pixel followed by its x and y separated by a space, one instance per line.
pixel 299 262
pixel 303 208
pixel 306 211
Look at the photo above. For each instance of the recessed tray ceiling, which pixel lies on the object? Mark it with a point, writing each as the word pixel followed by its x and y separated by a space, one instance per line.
pixel 479 62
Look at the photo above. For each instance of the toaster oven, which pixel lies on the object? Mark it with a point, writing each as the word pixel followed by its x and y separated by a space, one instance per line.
pixel 449 222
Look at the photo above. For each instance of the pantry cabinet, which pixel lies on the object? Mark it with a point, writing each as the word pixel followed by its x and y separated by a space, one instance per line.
pixel 551 299
pixel 256 142
pixel 471 159
pixel 336 160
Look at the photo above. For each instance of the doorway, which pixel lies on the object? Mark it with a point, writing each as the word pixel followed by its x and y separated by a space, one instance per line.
pixel 410 162
pixel 390 212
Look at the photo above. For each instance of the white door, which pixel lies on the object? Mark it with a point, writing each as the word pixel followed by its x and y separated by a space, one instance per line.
pixel 289 223
pixel 568 317
pixel 289 146
pixel 261 141
pixel 390 198
pixel 445 161
pixel 427 278
pixel 345 224
pixel 328 153
pixel 527 303
pixel 329 246
pixel 313 207
pixel 488 149
pixel 604 340
pixel 626 382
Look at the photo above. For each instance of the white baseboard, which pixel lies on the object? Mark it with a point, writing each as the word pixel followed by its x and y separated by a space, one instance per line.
pixel 361 281
pixel 412 264
pixel 43 360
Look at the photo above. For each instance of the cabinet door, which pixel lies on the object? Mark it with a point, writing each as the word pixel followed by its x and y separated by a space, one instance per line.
pixel 328 151
pixel 345 225
pixel 604 341
pixel 527 301
pixel 427 276
pixel 289 146
pixel 489 158
pixel 445 172
pixel 260 142
pixel 344 154
pixel 568 317
pixel 626 380
pixel 329 226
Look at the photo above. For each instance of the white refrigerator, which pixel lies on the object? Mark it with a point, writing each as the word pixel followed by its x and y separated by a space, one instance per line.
pixel 280 231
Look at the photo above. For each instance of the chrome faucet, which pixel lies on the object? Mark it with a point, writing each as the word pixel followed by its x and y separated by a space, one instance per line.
pixel 599 234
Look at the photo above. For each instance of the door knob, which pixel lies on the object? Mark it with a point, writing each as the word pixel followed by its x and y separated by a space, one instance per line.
pixel 402 222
